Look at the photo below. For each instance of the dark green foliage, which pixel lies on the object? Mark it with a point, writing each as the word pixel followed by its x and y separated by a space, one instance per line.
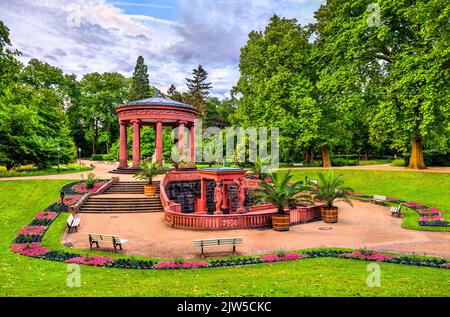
pixel 140 84
pixel 198 89
pixel 57 207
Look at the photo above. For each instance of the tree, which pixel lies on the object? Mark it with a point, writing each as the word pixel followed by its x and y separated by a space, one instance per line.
pixel 276 86
pixel 395 69
pixel 100 94
pixel 198 89
pixel 174 94
pixel 140 85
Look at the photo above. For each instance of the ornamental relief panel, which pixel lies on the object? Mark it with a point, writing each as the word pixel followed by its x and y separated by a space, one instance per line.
pixel 157 113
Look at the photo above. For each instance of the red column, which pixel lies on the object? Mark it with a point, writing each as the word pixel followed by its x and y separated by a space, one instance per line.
pixel 158 140
pixel 192 142
pixel 136 143
pixel 181 138
pixel 123 145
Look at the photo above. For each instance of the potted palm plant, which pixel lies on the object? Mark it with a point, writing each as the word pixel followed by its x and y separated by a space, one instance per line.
pixel 331 189
pixel 281 193
pixel 148 173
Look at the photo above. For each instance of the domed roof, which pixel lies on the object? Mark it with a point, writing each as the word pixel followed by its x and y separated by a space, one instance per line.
pixel 158 99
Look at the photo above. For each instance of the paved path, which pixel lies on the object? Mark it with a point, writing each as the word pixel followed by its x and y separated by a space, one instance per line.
pixel 101 169
pixel 365 225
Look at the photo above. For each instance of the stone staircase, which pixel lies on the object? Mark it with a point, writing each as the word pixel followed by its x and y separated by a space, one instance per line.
pixel 123 197
pixel 128 187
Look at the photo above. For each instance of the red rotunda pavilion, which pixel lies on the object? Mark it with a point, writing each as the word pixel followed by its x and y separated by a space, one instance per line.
pixel 157 111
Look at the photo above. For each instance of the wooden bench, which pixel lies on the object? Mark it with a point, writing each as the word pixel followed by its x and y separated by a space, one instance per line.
pixel 204 243
pixel 378 199
pixel 72 223
pixel 396 211
pixel 95 238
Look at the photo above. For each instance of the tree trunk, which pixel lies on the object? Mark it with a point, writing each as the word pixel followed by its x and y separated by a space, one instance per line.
pixel 366 154
pixel 416 161
pixel 308 156
pixel 325 156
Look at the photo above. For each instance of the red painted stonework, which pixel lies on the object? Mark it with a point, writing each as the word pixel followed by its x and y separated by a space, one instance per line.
pixel 151 115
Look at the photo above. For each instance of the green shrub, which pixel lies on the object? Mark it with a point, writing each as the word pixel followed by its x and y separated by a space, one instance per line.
pixel 314 164
pixel 398 162
pixel 3 169
pixel 99 157
pixel 339 161
pixel 91 180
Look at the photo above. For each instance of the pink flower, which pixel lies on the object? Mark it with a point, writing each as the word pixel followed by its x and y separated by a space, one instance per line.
pixel 391 199
pixel 28 249
pixel 430 211
pixel 71 199
pixel 380 257
pixel 32 230
pixel 447 265
pixel 432 218
pixel 286 257
pixel 48 215
pixel 81 187
pixel 167 265
pixel 90 260
pixel 194 265
pixel 413 204
pixel 356 194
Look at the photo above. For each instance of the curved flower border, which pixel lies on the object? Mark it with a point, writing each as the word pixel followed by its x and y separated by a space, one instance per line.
pixel 28 243
pixel 429 216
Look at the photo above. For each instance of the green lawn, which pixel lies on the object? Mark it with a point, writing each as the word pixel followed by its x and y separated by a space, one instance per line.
pixel 20 276
pixel 63 169
pixel 428 188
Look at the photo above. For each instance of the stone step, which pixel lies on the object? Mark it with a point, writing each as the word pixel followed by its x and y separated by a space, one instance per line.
pixel 128 200
pixel 124 204
pixel 106 210
pixel 119 211
pixel 106 207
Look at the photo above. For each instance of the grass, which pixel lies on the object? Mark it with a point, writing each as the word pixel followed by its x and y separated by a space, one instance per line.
pixel 34 171
pixel 428 188
pixel 22 276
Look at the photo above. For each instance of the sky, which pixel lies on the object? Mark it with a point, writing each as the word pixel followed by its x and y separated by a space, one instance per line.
pixel 173 36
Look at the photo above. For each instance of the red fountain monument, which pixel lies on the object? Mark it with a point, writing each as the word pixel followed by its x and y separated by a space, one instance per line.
pixel 160 111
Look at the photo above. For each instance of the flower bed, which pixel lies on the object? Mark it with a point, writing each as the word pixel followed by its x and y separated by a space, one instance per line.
pixel 367 256
pixel 167 265
pixel 71 199
pixel 282 257
pixel 431 217
pixel 89 260
pixel 28 249
pixel 81 187
pixel 31 230
pixel 27 243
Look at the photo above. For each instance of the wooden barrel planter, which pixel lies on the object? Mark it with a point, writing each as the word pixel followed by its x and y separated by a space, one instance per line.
pixel 329 215
pixel 281 222
pixel 150 190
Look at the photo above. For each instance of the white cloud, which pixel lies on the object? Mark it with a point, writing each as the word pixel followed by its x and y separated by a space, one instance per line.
pixel 82 36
